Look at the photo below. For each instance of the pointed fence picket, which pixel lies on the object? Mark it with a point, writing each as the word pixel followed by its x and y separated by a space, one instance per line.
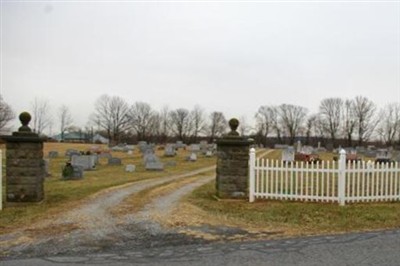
pixel 325 181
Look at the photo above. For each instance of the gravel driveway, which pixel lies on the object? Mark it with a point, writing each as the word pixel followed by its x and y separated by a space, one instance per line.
pixel 92 227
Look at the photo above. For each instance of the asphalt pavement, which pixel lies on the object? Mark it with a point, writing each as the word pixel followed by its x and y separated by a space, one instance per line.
pixel 371 248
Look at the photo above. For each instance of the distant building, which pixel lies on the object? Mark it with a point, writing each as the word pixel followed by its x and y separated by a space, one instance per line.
pixel 97 138
pixel 72 137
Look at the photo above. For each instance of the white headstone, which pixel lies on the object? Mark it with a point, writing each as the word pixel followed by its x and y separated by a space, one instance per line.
pixel 288 154
pixel 193 157
pixel 130 168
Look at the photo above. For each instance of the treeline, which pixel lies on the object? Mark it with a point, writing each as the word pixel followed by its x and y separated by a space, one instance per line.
pixel 346 122
pixel 349 122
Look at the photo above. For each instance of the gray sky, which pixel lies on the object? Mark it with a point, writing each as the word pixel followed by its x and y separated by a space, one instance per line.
pixel 228 56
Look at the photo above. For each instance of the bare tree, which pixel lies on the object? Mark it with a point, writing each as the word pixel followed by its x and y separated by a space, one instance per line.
pixel 141 117
pixel 218 125
pixel 274 114
pixel 310 127
pixel 111 114
pixel 41 115
pixel 65 119
pixel 244 127
pixel 164 124
pixel 349 121
pixel 331 114
pixel 197 115
pixel 292 118
pixel 364 113
pixel 264 121
pixel 389 126
pixel 6 114
pixel 180 122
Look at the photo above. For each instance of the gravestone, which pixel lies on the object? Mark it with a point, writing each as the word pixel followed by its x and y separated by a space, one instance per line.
pixel 155 166
pixel 152 162
pixel 232 164
pixel 193 157
pixel 150 157
pixel 114 161
pixel 71 172
pixel 370 153
pixel 130 152
pixel 170 151
pixel 180 145
pixel 307 150
pixel 383 154
pixel 203 146
pixel 118 148
pixel 53 154
pixel 130 147
pixel 298 146
pixel 329 147
pixel 71 152
pixel 194 148
pixel 25 167
pixel 130 168
pixel 105 155
pixel 288 154
pixel 361 150
pixel 209 153
pixel 142 146
pixel 86 162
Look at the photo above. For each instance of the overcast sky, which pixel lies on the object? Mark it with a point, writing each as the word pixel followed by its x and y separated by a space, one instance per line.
pixel 228 56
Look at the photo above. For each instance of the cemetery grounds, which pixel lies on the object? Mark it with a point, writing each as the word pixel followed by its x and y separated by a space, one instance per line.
pixel 180 198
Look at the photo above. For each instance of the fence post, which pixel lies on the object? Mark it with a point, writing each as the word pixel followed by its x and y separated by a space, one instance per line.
pixel 252 164
pixel 342 177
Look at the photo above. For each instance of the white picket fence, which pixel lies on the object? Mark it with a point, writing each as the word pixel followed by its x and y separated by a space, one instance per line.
pixel 326 181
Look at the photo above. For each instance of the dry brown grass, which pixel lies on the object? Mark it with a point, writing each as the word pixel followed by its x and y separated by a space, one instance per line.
pixel 63 195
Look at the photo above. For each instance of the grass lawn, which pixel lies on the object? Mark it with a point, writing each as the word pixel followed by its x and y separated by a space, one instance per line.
pixel 290 218
pixel 61 195
pixel 298 218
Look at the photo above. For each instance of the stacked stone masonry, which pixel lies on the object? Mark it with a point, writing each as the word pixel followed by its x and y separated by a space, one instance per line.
pixel 25 171
pixel 232 167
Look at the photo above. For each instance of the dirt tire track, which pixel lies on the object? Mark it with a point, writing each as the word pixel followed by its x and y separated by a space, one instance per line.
pixel 93 227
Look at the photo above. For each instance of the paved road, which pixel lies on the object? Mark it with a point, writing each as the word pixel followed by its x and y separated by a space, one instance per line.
pixel 375 248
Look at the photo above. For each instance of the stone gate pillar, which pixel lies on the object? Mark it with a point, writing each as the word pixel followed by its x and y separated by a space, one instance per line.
pixel 232 164
pixel 25 170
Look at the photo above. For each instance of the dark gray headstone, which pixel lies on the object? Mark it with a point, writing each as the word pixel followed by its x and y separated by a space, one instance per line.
pixel 155 166
pixel 150 158
pixel 170 151
pixel 71 172
pixel 114 161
